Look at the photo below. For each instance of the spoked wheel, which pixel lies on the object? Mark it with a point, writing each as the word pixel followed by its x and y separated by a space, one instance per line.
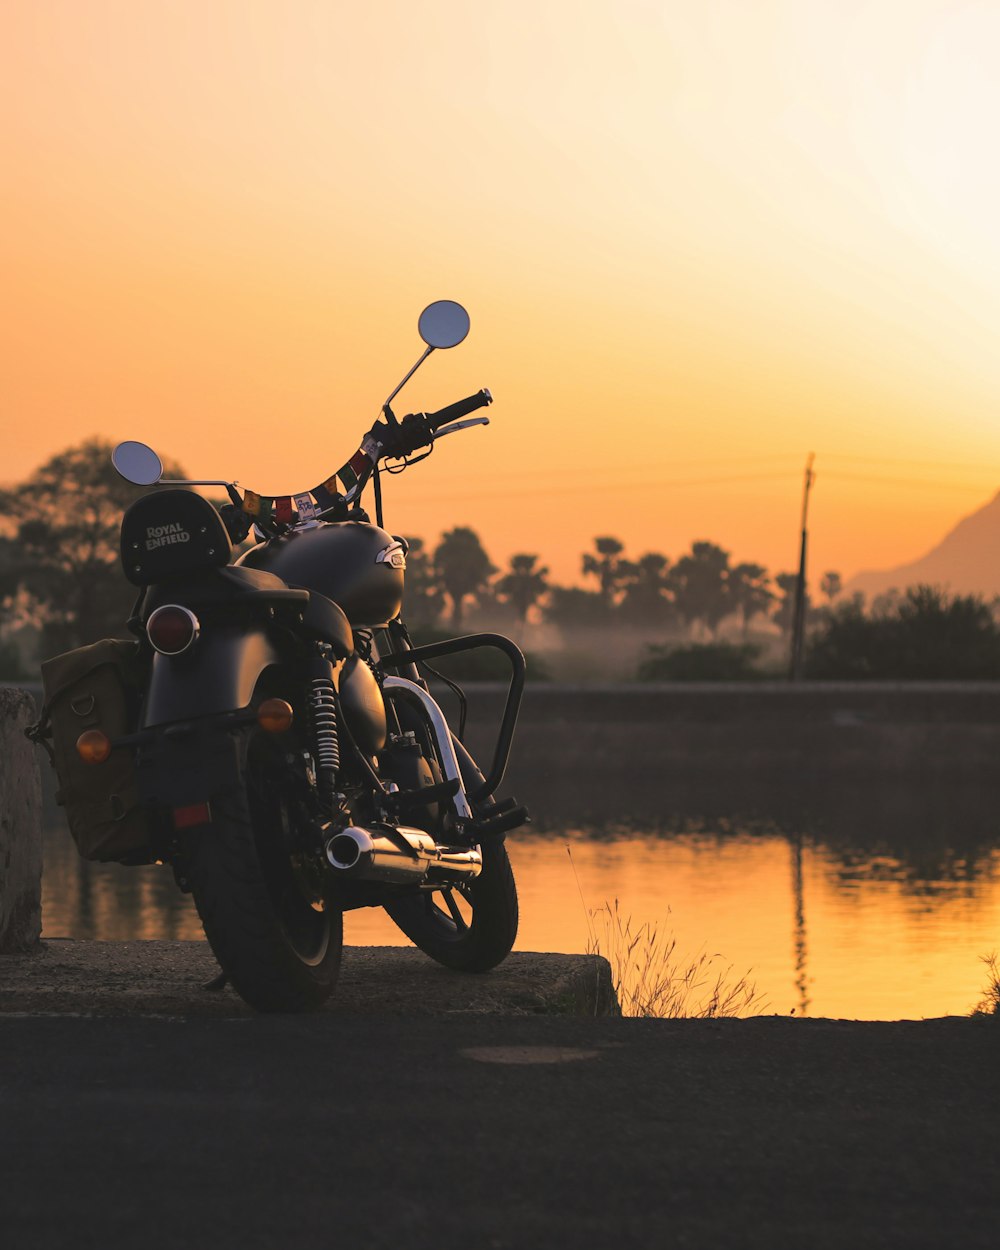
pixel 470 927
pixel 266 920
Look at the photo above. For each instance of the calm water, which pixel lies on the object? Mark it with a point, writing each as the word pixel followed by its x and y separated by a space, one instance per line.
pixel 887 920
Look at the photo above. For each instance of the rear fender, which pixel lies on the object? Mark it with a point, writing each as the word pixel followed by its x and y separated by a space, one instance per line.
pixel 192 763
pixel 193 749
pixel 218 674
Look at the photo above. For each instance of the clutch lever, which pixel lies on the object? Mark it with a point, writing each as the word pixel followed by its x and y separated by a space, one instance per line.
pixel 441 431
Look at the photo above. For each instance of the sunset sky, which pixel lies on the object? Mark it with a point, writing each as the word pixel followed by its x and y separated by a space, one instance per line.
pixel 697 240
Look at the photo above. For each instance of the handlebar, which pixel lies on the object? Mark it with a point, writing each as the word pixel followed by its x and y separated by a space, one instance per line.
pixel 461 408
pixel 388 439
pixel 417 429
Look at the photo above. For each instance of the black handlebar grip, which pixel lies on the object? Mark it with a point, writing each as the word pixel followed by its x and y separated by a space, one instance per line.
pixel 461 408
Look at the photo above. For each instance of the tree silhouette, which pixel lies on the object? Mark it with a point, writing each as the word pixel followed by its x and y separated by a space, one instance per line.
pixel 831 585
pixel 646 601
pixel 523 585
pixel 887 602
pixel 925 634
pixel 462 567
pixel 750 592
pixel 59 546
pixel 423 599
pixel 572 607
pixel 607 566
pixel 784 612
pixel 699 582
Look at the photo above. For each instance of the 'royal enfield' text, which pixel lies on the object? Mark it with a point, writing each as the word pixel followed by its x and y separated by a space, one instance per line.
pixel 161 535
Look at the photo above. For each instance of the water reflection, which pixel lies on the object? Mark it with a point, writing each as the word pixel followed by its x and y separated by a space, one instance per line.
pixel 799 942
pixel 868 903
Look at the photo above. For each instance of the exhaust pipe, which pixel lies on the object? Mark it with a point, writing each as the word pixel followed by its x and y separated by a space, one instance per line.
pixel 398 856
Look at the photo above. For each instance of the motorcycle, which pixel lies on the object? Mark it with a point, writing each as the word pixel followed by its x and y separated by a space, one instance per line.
pixel 292 762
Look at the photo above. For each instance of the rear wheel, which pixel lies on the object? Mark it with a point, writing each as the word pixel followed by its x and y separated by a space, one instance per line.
pixel 275 936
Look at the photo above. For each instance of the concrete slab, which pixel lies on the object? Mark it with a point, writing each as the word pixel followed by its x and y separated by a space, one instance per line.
pixel 67 977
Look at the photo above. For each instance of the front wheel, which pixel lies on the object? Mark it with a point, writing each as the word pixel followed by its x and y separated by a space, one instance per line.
pixel 470 926
pixel 275 938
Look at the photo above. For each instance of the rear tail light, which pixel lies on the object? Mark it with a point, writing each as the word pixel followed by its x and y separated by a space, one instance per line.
pixel 172 629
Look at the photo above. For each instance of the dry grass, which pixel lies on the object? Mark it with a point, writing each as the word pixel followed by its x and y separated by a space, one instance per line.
pixel 652 980
pixel 989 1004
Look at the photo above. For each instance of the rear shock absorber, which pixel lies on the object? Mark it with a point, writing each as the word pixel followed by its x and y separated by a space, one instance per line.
pixel 323 705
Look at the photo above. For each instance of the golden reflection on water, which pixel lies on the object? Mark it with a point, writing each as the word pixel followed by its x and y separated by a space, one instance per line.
pixel 821 934
pixel 861 937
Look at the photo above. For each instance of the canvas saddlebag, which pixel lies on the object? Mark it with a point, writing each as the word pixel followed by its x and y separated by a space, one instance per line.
pixel 96 687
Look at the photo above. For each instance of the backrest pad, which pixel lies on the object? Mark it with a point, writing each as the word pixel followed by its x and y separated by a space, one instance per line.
pixel 169 533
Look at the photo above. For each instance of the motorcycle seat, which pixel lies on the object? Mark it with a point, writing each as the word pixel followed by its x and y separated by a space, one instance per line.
pixel 320 618
pixel 224 585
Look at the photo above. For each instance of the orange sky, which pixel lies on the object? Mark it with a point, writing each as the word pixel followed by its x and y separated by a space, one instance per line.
pixel 697 242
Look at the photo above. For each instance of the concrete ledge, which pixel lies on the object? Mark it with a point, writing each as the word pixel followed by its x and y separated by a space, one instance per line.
pixel 67 977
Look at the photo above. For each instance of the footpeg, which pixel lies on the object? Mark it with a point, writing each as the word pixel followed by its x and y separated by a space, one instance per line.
pixel 426 795
pixel 497 809
pixel 498 821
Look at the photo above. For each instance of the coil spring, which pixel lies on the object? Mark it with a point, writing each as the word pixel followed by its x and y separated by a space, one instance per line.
pixel 324 714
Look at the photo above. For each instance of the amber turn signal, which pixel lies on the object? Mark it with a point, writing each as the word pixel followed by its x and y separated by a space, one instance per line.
pixel 93 746
pixel 275 715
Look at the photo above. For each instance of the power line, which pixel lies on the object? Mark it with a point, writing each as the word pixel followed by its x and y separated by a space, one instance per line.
pixel 605 488
pixel 608 487
pixel 608 477
pixel 910 482
pixel 610 470
pixel 930 464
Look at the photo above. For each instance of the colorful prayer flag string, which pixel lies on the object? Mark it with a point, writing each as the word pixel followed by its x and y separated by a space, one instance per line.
pixel 347 481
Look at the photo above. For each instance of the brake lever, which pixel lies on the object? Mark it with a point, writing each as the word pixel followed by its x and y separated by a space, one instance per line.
pixel 441 431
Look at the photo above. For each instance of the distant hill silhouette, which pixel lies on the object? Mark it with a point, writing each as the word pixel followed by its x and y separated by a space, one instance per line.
pixel 966 561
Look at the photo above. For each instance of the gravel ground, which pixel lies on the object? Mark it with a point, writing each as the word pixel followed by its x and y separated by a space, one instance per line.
pixel 416 1132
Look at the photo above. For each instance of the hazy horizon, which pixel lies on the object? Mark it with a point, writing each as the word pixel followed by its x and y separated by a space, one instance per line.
pixel 697 243
pixel 564 566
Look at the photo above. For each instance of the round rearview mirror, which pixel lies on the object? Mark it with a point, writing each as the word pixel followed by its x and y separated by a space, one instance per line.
pixel 443 324
pixel 137 463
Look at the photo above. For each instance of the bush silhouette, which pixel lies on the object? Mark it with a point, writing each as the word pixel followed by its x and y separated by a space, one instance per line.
pixel 925 635
pixel 709 661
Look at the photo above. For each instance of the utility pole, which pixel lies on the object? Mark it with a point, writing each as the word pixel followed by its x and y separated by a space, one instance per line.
pixel 799 620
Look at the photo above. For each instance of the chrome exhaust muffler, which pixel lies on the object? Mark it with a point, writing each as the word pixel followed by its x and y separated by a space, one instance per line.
pixel 399 855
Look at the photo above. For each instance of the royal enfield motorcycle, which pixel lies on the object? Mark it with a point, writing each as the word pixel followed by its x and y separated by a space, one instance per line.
pixel 291 761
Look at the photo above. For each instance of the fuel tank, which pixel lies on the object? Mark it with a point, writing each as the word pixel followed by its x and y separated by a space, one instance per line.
pixel 357 565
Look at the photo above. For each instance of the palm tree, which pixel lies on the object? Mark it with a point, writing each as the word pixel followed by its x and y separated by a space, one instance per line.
pixel 607 566
pixel 423 598
pixel 699 582
pixel 750 592
pixel 523 585
pixel 831 585
pixel 462 567
pixel 784 612
pixel 646 601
